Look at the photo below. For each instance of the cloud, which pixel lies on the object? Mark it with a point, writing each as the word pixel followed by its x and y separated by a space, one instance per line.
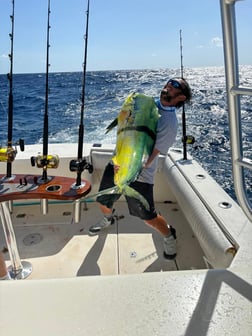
pixel 4 56
pixel 216 42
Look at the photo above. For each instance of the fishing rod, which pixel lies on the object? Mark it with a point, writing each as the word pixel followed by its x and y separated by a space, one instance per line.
pixel 8 154
pixel 45 128
pixel 46 161
pixel 80 164
pixel 186 139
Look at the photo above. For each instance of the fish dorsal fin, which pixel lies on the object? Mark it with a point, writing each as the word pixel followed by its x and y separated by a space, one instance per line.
pixel 112 125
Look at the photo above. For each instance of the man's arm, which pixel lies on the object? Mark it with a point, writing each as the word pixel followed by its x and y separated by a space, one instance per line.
pixel 154 153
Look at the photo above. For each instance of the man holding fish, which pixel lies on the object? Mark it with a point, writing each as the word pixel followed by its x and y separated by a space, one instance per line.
pixel 145 128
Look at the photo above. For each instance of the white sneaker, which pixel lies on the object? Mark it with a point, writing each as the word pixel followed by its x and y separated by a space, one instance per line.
pixel 170 249
pixel 103 224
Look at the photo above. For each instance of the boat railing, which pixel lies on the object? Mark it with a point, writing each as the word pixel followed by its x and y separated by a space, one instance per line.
pixel 234 93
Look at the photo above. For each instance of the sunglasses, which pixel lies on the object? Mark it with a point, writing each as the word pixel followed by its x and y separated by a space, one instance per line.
pixel 175 84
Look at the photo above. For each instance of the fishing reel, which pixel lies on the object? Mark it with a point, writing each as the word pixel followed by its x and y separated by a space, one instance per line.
pixel 48 161
pixel 188 139
pixel 80 166
pixel 8 154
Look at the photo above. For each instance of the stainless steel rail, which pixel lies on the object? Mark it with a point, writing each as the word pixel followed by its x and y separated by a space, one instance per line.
pixel 234 93
pixel 19 269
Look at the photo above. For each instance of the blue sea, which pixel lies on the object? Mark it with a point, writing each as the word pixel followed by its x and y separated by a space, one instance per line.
pixel 206 116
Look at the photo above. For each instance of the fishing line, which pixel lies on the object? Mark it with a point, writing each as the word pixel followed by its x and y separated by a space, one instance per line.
pixel 80 164
pixel 3 108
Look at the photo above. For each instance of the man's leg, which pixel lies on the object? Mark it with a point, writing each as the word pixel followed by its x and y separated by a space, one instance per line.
pixel 169 233
pixel 107 220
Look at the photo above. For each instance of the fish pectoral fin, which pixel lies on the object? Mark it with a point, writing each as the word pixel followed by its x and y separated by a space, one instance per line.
pixel 112 125
pixel 128 191
pixel 109 191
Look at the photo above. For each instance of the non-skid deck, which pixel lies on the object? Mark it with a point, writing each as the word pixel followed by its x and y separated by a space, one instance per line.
pixel 57 247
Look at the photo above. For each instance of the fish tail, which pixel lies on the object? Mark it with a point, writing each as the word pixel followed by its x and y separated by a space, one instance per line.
pixel 108 191
pixel 130 192
pixel 126 190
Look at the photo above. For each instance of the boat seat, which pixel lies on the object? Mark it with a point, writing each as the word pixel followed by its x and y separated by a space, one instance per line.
pixel 100 158
pixel 219 251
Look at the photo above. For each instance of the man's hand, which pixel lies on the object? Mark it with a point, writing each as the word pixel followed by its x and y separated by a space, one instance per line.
pixel 154 153
pixel 116 168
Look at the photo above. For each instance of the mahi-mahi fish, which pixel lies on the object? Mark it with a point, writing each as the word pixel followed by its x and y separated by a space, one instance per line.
pixel 136 132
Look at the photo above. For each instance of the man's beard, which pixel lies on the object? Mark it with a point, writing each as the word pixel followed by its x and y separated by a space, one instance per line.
pixel 165 96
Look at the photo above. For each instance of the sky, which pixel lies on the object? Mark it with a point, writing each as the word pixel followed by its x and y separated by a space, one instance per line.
pixel 131 34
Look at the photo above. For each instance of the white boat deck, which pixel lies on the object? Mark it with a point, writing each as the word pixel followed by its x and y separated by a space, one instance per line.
pixel 57 248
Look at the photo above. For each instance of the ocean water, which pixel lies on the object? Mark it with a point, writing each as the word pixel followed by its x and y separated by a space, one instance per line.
pixel 206 116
